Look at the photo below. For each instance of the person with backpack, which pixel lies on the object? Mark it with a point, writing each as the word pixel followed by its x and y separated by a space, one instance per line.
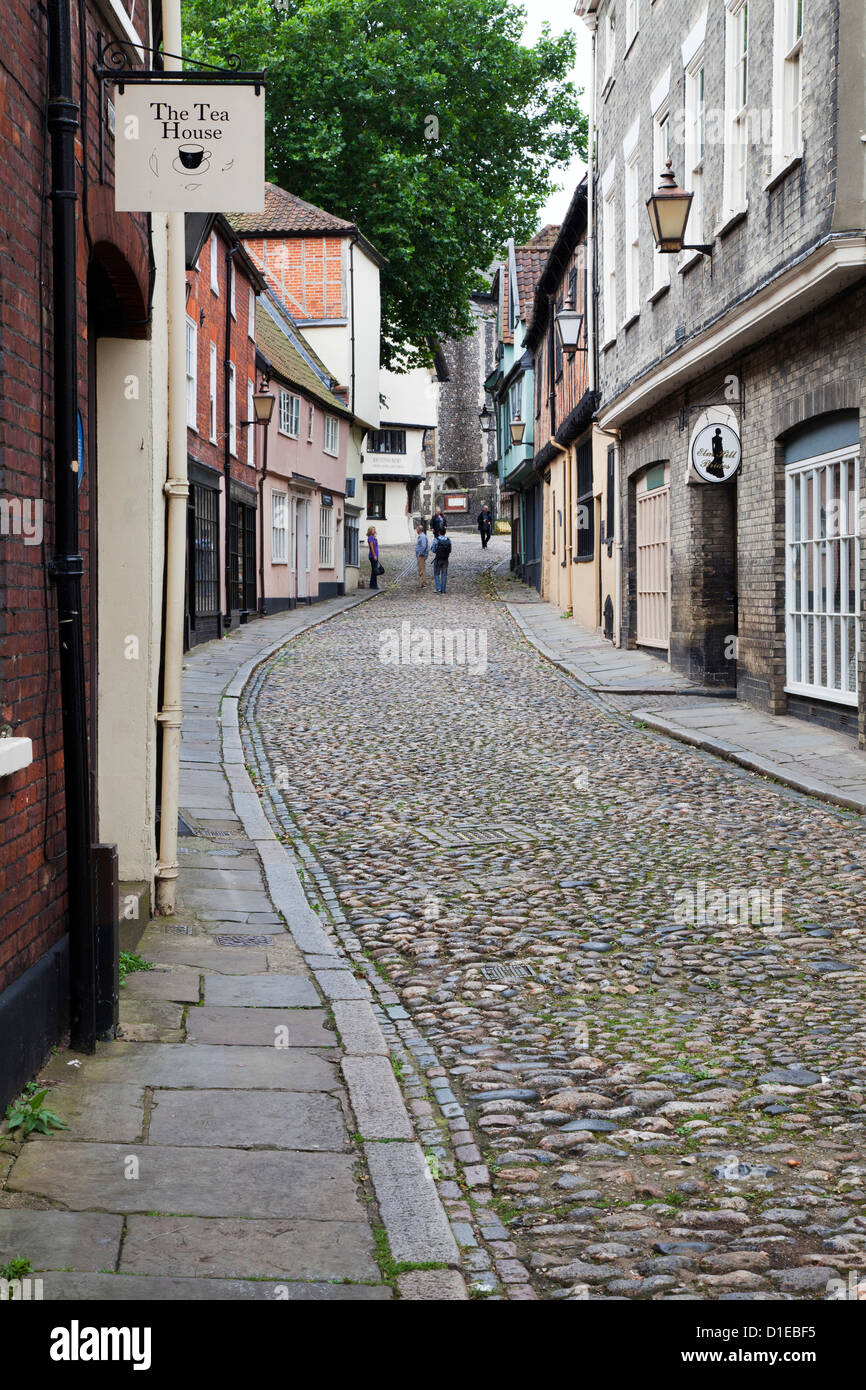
pixel 485 525
pixel 373 552
pixel 422 546
pixel 441 555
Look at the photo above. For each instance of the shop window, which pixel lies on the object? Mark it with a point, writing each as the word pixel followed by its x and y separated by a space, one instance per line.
pixel 376 501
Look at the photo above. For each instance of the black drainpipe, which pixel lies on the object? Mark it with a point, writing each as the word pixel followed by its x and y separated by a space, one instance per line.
pixel 67 565
pixel 227 450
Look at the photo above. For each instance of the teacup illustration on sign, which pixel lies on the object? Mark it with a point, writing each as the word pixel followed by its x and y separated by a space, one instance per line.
pixel 190 159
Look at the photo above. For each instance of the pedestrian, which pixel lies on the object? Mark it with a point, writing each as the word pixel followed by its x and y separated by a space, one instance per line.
pixel 441 554
pixel 485 525
pixel 438 525
pixel 373 551
pixel 422 546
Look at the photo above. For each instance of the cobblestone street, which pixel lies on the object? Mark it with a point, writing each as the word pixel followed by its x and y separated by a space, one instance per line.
pixel 631 1079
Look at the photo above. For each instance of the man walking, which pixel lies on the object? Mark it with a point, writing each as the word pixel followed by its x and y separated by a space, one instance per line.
pixel 422 545
pixel 485 525
pixel 438 525
pixel 441 555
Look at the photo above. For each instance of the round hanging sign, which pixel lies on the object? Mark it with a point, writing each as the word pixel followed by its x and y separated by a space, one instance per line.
pixel 716 453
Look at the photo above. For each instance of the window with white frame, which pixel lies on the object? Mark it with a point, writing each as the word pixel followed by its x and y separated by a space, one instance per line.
pixel 212 394
pixel 787 80
pixel 290 413
pixel 233 410
pixel 608 233
pixel 214 263
pixel 632 21
pixel 191 365
pixel 251 314
pixel 326 538
pixel 695 130
pixel 332 435
pixel 632 237
pixel 251 429
pixel 609 45
pixel 823 576
pixel 661 155
pixel 311 420
pixel 736 104
pixel 279 528
pixel 516 400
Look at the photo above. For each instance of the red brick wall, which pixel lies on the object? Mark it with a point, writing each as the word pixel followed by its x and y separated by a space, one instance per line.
pixel 305 272
pixel 32 870
pixel 242 354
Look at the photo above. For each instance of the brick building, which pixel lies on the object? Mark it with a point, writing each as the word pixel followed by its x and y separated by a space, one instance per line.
pixel 753 581
pixel 83 391
pixel 222 569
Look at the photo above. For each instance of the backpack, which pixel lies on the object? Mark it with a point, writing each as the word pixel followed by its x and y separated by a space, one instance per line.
pixel 443 550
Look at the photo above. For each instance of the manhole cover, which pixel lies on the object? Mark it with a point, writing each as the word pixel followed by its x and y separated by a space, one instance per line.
pixel 217 834
pixel 230 939
pixel 178 929
pixel 507 972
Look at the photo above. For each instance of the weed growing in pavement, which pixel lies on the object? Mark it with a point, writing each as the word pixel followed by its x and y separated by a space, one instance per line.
pixel 129 964
pixel 16 1268
pixel 28 1114
pixel 390 1267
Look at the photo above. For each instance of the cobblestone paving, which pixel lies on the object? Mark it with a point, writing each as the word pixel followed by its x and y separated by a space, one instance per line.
pixel 669 1101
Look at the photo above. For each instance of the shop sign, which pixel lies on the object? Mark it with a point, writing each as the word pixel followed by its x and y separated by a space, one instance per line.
pixel 184 147
pixel 716 453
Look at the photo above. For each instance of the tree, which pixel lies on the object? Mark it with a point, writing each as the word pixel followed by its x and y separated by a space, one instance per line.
pixel 425 122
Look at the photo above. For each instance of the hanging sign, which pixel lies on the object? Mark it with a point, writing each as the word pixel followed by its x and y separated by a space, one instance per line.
pixel 189 147
pixel 716 453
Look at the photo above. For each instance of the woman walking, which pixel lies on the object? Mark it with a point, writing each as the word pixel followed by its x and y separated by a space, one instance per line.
pixel 373 551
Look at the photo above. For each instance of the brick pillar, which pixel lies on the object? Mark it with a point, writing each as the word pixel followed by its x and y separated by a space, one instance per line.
pixel 703 578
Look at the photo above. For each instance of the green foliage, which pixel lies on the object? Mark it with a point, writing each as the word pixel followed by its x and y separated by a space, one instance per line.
pixel 424 122
pixel 17 1268
pixel 129 963
pixel 28 1114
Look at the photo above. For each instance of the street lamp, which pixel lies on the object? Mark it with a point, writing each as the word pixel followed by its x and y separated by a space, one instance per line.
pixel 568 324
pixel 485 414
pixel 668 210
pixel 263 409
pixel 517 428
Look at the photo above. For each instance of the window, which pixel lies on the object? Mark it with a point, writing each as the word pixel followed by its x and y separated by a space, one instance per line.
pixel 376 501
pixel 251 314
pixel 608 232
pixel 326 538
pixel 191 364
pixel 242 556
pixel 350 487
pixel 279 528
pixel 585 504
pixel 332 435
pixel 311 420
pixel 695 110
pixel 351 541
pixel 212 394
pixel 558 343
pixel 823 576
pixel 206 525
pixel 736 104
pixel 610 495
pixel 609 45
pixel 632 238
pixel 386 442
pixel 290 413
pixel 788 44
pixel 515 399
pixel 214 263
pixel 232 278
pixel 661 155
pixel 632 22
pixel 233 411
pixel 251 429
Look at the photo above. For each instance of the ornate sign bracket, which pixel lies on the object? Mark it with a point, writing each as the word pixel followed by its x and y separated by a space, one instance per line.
pixel 735 403
pixel 113 65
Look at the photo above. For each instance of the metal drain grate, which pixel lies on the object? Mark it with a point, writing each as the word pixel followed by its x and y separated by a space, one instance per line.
pixel 219 834
pixel 231 939
pixel 508 972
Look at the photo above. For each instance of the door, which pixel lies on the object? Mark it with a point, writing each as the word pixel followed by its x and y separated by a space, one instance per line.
pixel 302 548
pixel 653 557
